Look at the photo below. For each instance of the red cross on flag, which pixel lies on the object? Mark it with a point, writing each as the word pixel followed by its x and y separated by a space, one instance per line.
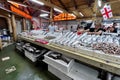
pixel 106 12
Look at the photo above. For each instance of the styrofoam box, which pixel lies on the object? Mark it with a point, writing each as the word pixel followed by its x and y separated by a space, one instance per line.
pixel 58 73
pixel 77 72
pixel 58 64
pixel 30 56
pixel 82 72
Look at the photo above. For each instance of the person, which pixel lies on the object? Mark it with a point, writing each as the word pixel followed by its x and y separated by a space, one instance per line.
pixel 97 30
pixel 87 27
pixel 51 28
pixel 44 26
pixel 71 29
pixel 80 30
pixel 113 29
pixel 108 29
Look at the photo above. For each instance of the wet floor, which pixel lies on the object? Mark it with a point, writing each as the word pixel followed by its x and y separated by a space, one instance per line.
pixel 25 69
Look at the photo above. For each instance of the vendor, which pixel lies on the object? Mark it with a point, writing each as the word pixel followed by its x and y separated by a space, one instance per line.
pixel 51 28
pixel 97 30
pixel 113 29
pixel 72 29
pixel 80 30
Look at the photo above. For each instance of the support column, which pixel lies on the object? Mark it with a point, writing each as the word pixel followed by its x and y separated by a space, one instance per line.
pixel 0 44
pixel 24 24
pixel 9 25
pixel 95 10
pixel 51 15
pixel 14 27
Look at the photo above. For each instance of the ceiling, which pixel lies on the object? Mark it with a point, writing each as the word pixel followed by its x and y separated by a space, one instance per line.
pixel 86 7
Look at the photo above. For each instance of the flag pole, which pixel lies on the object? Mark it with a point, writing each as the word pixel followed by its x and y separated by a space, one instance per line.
pixel 95 11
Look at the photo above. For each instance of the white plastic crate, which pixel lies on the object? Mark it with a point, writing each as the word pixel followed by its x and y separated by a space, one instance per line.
pixel 58 64
pixel 82 72
pixel 58 73
pixel 77 72
pixel 31 56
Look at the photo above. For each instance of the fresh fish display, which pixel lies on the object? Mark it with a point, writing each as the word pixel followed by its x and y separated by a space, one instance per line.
pixel 98 42
pixel 108 48
pixel 107 43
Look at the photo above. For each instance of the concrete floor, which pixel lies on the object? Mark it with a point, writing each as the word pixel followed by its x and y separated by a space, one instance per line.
pixel 25 69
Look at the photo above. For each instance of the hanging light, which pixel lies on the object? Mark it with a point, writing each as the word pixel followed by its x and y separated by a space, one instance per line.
pixel 16 3
pixel 81 14
pixel 73 15
pixel 36 1
pixel 58 10
pixel 43 15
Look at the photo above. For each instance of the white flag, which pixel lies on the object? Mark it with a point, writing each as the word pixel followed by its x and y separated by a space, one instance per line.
pixel 106 11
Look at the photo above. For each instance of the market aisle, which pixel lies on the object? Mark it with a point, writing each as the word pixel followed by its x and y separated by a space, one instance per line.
pixel 25 70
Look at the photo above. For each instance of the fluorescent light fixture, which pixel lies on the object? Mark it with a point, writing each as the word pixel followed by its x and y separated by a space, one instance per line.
pixel 16 3
pixel 81 14
pixel 43 15
pixel 99 3
pixel 36 1
pixel 58 10
pixel 73 15
pixel 45 11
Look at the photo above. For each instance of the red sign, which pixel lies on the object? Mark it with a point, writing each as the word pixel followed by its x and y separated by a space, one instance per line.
pixel 41 41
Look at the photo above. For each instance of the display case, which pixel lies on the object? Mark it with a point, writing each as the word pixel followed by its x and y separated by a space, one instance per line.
pixel 81 48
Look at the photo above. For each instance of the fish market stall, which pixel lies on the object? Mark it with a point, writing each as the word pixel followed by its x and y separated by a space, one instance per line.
pixel 101 51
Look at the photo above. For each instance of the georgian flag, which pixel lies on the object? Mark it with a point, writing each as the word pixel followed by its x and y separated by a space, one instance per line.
pixel 106 12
